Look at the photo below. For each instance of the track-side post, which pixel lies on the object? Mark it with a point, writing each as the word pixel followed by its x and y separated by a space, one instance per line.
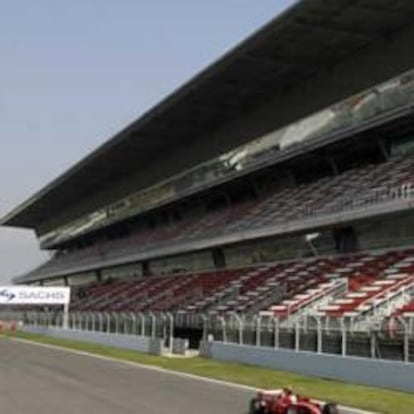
pixel 134 323
pixel 406 347
pixel 276 332
pixel 259 330
pixel 88 321
pixel 223 326
pixel 101 322
pixel 241 334
pixel 153 324
pixel 327 324
pixel 163 325
pixel 93 325
pixel 373 344
pixel 142 319
pixel 125 320
pixel 204 320
pixel 319 336
pixel 171 340
pixel 240 327
pixel 297 335
pixel 108 322
pixel 344 337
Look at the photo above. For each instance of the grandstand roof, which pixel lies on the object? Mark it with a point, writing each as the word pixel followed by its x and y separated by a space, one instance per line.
pixel 309 37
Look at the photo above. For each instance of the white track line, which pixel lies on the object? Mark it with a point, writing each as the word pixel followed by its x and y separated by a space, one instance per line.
pixel 161 370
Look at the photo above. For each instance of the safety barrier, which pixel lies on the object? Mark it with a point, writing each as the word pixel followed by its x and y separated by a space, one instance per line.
pixel 130 342
pixel 299 333
pixel 384 374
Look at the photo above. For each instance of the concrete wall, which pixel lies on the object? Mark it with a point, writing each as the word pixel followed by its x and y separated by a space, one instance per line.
pixel 131 342
pixel 376 373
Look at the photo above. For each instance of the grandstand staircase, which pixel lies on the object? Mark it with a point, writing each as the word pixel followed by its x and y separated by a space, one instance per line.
pixel 276 295
pixel 254 287
pixel 211 302
pixel 385 303
pixel 377 294
pixel 307 302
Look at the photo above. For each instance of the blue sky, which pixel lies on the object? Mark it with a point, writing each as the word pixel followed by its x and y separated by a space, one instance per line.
pixel 75 72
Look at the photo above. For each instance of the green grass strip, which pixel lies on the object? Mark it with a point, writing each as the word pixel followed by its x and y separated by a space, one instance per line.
pixel 368 398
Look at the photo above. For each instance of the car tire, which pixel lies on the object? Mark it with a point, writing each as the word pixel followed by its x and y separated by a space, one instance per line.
pixel 330 408
pixel 255 406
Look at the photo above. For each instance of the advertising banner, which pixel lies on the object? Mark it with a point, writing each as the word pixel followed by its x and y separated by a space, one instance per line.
pixel 34 295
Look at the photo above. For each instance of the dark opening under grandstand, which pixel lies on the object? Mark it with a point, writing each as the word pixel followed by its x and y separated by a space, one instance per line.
pixel 278 182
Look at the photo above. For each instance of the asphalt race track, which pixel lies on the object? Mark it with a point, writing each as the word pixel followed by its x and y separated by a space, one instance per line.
pixel 40 380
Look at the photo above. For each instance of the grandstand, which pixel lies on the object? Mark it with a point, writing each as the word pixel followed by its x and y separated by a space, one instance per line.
pixel 279 182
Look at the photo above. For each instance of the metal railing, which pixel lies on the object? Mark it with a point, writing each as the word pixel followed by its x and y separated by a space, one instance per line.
pixel 338 336
pixel 316 334
pixel 373 197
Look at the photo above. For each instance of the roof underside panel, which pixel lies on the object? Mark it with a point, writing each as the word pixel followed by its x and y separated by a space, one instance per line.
pixel 311 36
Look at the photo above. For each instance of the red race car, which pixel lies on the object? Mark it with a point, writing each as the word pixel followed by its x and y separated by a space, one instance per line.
pixel 285 402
